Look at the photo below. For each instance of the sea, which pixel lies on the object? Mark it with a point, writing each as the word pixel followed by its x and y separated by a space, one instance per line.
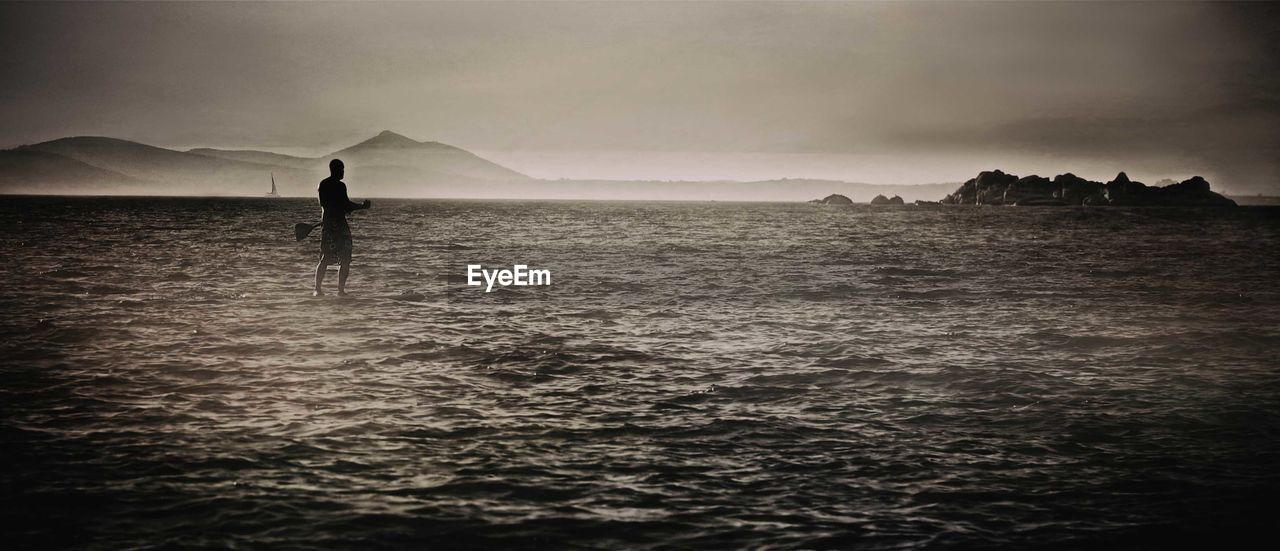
pixel 701 375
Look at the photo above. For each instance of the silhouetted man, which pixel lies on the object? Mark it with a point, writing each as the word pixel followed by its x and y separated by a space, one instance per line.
pixel 335 235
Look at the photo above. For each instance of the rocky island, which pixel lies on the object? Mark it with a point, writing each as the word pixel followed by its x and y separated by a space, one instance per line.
pixel 997 188
pixel 833 199
pixel 882 200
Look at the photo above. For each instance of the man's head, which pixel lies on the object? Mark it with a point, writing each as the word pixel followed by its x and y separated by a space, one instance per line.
pixel 336 168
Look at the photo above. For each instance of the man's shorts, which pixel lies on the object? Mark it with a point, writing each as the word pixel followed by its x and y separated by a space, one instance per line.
pixel 335 240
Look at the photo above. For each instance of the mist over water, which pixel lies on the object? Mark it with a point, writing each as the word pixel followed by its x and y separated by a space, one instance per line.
pixel 698 375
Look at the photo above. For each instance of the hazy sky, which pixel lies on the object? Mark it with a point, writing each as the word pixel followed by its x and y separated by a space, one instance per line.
pixel 879 92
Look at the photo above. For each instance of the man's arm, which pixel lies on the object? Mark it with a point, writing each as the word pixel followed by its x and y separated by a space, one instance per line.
pixel 351 206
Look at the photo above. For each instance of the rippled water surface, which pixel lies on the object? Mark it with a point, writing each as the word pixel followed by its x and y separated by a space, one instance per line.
pixel 698 375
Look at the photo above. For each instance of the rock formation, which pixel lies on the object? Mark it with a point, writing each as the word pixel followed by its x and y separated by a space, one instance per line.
pixel 834 199
pixel 997 188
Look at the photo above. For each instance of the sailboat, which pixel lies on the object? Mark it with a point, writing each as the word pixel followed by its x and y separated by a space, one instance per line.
pixel 273 194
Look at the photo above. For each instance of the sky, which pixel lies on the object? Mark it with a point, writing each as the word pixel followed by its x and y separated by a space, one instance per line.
pixel 893 93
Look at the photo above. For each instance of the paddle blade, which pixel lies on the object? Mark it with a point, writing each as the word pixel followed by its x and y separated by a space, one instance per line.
pixel 302 230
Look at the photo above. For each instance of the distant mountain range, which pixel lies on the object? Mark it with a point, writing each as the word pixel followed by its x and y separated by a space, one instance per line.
pixel 400 166
pixel 386 165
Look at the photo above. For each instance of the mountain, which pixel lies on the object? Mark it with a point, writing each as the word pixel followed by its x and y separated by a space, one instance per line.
pixel 393 164
pixel 168 171
pixel 394 154
pixel 394 150
pixel 30 171
pixel 386 165
pixel 260 157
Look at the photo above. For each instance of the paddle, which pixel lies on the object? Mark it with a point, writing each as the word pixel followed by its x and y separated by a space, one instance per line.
pixel 302 230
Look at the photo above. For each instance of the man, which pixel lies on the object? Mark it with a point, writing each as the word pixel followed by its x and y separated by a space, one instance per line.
pixel 335 235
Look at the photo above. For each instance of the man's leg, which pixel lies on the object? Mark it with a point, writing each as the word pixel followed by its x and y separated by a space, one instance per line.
pixel 320 270
pixel 343 268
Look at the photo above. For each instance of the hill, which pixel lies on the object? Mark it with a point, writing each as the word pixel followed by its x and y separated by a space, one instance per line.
pixel 31 171
pixel 400 161
pixel 391 164
pixel 391 154
pixel 156 170
pixel 386 165
pixel 389 149
pixel 259 157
